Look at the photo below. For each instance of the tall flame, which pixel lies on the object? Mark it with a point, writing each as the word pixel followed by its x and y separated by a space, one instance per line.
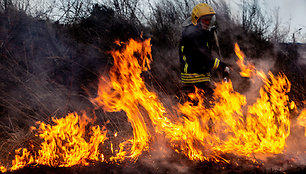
pixel 246 69
pixel 203 133
pixel 118 92
pixel 200 130
pixel 126 90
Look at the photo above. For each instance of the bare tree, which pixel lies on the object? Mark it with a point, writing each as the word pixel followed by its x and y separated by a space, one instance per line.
pixel 70 11
pixel 253 18
pixel 5 5
pixel 127 9
pixel 279 32
pixel 21 5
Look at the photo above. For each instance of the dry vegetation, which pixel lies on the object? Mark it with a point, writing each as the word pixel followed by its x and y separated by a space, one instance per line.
pixel 50 66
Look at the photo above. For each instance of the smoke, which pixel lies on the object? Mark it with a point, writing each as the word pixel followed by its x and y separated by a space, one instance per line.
pixel 302 55
pixel 163 159
pixel 265 65
pixel 296 144
pixel 42 75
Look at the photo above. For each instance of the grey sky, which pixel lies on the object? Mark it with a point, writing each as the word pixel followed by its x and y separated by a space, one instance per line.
pixel 295 9
pixel 291 12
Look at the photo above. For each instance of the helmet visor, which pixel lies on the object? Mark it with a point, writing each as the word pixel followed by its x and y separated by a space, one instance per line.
pixel 207 22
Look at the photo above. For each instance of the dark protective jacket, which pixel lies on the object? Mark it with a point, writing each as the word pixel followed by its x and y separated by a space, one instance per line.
pixel 196 58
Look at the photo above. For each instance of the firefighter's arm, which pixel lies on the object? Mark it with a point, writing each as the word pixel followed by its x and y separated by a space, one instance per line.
pixel 219 66
pixel 211 62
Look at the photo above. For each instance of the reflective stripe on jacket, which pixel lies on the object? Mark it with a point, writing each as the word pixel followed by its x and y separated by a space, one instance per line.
pixel 196 60
pixel 187 77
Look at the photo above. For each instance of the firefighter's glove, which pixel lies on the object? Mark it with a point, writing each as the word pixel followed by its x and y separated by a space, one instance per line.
pixel 226 73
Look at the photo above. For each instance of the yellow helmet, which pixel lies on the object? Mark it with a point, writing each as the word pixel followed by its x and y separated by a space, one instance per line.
pixel 200 10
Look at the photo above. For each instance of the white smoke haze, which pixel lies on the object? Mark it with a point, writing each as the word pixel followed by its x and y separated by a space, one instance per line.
pixel 296 144
pixel 161 157
pixel 302 54
pixel 255 82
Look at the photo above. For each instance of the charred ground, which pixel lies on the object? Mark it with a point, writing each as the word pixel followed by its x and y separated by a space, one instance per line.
pixel 171 167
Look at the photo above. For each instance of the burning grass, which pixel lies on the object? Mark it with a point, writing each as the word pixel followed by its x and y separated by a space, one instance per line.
pixel 228 133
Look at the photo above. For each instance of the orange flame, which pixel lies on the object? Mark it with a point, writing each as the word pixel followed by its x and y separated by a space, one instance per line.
pixel 2 169
pixel 64 144
pixel 117 93
pixel 246 70
pixel 199 131
pixel 204 133
pixel 225 129
pixel 21 161
pixel 126 90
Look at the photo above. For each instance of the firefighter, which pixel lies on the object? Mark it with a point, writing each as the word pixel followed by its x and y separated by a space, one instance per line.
pixel 198 41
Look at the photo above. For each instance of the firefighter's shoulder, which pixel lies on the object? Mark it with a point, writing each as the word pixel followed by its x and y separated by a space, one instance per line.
pixel 191 32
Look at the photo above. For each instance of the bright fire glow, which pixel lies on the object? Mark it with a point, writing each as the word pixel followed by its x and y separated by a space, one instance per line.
pixel 246 69
pixel 225 128
pixel 126 90
pixel 64 144
pixel 202 133
pixel 2 169
pixel 200 130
